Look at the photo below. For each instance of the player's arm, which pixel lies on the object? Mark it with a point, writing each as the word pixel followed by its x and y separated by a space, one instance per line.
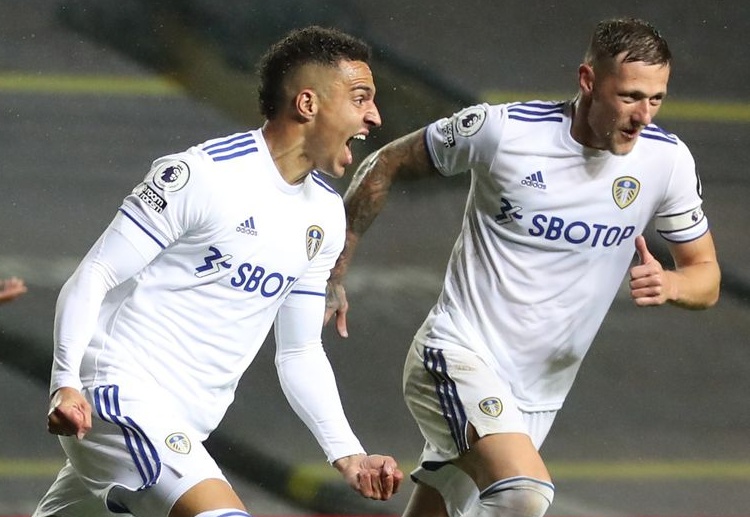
pixel 693 284
pixel 308 383
pixel 404 158
pixel 119 253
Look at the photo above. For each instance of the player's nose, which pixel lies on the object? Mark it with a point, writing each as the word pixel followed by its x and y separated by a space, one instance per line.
pixel 372 116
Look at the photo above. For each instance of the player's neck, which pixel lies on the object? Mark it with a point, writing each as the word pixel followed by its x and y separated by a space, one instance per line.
pixel 287 152
pixel 579 127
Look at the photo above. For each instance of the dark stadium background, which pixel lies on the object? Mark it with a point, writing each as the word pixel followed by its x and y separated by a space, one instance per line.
pixel 92 90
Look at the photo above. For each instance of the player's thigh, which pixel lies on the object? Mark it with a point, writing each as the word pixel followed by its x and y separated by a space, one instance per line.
pixel 425 501
pixel 457 490
pixel 175 496
pixel 468 415
pixel 494 457
pixel 449 391
pixel 209 494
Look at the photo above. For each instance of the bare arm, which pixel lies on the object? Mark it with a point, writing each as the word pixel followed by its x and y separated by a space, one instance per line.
pixel 405 158
pixel 693 284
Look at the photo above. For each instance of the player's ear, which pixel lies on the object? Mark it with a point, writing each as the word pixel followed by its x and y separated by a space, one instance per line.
pixel 306 104
pixel 586 78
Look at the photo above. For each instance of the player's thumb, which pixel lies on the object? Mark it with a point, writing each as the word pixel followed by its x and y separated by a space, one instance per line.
pixel 341 324
pixel 644 256
pixel 327 316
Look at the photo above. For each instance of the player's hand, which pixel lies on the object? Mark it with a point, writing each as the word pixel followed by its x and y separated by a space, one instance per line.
pixel 649 282
pixel 11 288
pixel 336 304
pixel 374 476
pixel 69 413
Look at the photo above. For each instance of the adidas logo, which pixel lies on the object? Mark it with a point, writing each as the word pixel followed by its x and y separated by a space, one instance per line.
pixel 247 227
pixel 535 180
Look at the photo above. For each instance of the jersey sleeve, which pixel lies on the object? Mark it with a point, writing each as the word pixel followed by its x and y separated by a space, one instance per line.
pixel 119 253
pixel 158 211
pixel 680 217
pixel 466 140
pixel 171 199
pixel 305 374
pixel 307 379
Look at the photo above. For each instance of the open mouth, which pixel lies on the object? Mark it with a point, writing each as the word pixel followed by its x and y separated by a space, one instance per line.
pixel 359 136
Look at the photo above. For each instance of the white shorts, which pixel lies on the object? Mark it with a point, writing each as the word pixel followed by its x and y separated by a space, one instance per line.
pixel 445 390
pixel 137 456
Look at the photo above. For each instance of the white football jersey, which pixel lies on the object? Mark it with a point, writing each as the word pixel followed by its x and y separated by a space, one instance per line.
pixel 547 237
pixel 236 243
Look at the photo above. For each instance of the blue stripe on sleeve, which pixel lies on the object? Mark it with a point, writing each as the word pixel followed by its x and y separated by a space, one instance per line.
pixel 312 293
pixel 145 230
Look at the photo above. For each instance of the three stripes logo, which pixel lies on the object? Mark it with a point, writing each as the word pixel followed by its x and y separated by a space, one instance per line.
pixel 144 456
pixel 247 227
pixel 535 180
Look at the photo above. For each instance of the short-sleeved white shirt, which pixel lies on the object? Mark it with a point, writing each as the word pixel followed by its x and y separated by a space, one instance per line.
pixel 547 236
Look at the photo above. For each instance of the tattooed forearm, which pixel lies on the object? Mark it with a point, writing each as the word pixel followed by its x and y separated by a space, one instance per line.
pixel 405 158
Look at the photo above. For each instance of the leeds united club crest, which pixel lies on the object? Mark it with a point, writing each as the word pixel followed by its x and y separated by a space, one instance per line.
pixel 314 240
pixel 491 406
pixel 624 190
pixel 178 442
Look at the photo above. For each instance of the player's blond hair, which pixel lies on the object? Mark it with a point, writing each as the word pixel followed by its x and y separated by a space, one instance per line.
pixel 637 39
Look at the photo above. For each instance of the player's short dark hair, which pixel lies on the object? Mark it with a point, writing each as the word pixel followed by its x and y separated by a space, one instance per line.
pixel 638 39
pixel 310 45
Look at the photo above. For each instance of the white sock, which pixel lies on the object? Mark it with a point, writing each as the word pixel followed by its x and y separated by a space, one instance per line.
pixel 514 497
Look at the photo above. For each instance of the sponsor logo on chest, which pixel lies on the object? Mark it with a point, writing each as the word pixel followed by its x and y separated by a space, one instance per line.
pixel 552 226
pixel 257 278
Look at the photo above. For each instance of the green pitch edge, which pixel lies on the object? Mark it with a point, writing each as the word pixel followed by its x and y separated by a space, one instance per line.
pixel 674 109
pixel 594 470
pixel 311 474
pixel 87 85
